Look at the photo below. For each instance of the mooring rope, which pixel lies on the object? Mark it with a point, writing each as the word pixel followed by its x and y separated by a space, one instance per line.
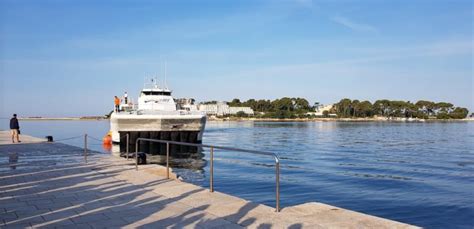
pixel 95 144
pixel 65 139
pixel 93 138
pixel 81 136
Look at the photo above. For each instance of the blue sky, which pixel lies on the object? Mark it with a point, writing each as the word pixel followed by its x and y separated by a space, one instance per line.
pixel 69 58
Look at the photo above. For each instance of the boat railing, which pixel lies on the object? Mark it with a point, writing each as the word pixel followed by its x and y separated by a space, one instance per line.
pixel 211 169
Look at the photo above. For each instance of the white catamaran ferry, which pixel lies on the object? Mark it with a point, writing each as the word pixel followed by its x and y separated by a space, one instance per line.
pixel 156 116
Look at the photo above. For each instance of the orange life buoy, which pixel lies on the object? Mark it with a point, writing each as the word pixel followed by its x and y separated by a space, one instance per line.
pixel 107 140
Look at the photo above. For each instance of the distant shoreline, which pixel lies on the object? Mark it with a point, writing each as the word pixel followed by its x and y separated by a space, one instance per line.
pixel 63 119
pixel 339 120
pixel 213 119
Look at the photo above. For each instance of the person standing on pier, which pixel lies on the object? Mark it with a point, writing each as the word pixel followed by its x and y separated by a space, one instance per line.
pixel 117 104
pixel 125 98
pixel 15 129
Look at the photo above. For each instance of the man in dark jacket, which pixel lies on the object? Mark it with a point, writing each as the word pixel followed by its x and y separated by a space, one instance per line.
pixel 15 129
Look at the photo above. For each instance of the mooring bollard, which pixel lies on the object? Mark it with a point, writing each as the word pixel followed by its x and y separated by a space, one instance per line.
pixel 85 148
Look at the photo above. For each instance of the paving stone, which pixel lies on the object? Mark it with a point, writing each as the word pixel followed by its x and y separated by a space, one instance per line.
pixel 121 214
pixel 39 202
pixel 30 211
pixel 134 218
pixel 12 200
pixel 75 226
pixel 210 221
pixel 89 218
pixel 32 219
pixel 6 217
pixel 113 223
pixel 223 226
pixel 54 224
pixel 68 199
pixel 18 225
pixel 16 206
pixel 54 206
pixel 59 215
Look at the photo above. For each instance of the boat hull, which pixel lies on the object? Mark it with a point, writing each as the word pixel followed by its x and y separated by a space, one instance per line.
pixel 189 128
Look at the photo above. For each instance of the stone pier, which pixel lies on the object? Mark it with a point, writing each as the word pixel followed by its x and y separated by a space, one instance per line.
pixel 48 185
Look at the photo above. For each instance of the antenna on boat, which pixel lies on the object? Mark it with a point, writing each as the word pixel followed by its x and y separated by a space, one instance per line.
pixel 161 66
pixel 166 83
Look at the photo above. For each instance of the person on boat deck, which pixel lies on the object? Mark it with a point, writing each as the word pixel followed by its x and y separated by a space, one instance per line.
pixel 125 98
pixel 117 104
pixel 15 129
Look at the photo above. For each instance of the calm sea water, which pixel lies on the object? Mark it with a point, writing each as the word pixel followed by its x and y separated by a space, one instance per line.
pixel 418 173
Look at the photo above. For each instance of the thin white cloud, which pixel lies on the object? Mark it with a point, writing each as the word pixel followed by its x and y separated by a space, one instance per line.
pixel 354 25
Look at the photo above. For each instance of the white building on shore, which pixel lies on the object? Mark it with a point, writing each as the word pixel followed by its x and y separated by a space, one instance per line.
pixel 320 109
pixel 222 109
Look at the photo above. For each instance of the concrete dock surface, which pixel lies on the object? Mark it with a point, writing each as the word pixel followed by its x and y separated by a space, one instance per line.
pixel 5 138
pixel 48 185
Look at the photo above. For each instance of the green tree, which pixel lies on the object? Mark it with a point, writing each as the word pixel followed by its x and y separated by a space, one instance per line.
pixel 285 104
pixel 343 108
pixel 444 107
pixel 364 109
pixel 315 105
pixel 353 109
pixel 459 113
pixel 250 103
pixel 263 106
pixel 382 107
pixel 426 107
pixel 209 102
pixel 325 114
pixel 411 110
pixel 301 104
pixel 282 114
pixel 241 114
pixel 443 115
pixel 235 103
pixel 287 107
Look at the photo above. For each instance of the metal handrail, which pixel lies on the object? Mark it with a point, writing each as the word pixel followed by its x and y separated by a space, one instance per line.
pixel 85 148
pixel 212 147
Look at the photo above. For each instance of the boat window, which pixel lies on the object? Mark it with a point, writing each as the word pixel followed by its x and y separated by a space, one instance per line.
pixel 156 92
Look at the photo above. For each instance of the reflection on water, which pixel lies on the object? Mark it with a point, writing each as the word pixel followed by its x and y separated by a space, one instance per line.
pixel 107 147
pixel 13 160
pixel 419 173
pixel 181 157
pixel 184 157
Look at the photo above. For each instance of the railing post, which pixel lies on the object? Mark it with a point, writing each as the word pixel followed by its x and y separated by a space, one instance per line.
pixel 168 160
pixel 277 168
pixel 85 148
pixel 128 143
pixel 211 179
pixel 136 155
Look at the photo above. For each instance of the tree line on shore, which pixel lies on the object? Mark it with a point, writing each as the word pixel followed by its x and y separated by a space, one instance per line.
pixel 401 109
pixel 285 108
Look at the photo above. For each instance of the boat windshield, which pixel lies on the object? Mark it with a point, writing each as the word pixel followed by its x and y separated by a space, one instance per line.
pixel 156 92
